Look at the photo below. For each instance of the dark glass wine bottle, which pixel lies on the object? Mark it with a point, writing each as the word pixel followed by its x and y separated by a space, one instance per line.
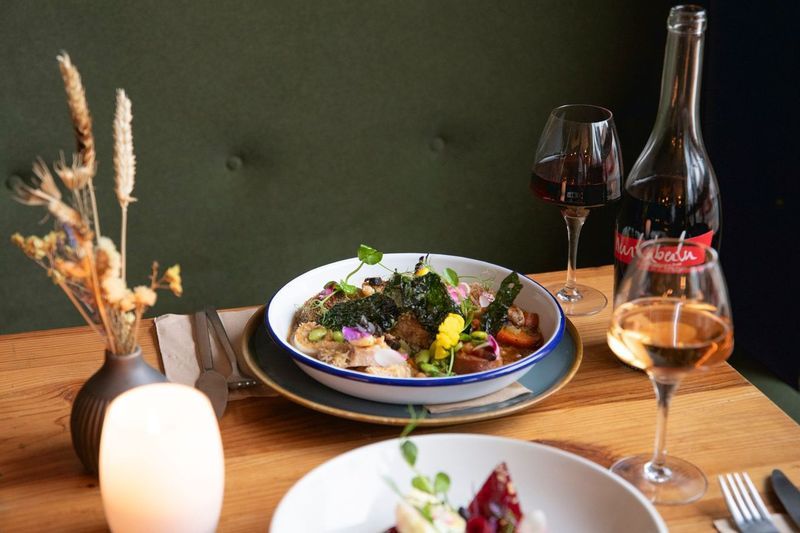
pixel 672 190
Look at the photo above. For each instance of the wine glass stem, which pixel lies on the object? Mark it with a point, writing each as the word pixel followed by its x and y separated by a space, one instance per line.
pixel 665 389
pixel 574 217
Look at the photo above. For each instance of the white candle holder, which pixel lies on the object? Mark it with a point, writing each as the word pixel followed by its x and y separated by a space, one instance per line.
pixel 162 466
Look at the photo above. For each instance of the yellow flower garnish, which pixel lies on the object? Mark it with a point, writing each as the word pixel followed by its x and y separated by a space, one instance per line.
pixel 421 271
pixel 449 330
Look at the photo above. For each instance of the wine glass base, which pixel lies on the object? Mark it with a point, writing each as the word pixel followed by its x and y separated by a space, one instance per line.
pixel 677 483
pixel 580 301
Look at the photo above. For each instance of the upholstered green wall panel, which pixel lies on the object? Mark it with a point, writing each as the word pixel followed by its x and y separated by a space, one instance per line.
pixel 275 136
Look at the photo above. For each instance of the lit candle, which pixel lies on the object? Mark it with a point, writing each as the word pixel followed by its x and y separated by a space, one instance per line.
pixel 161 461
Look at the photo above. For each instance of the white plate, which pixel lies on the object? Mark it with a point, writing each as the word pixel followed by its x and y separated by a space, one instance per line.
pixel 533 297
pixel 348 494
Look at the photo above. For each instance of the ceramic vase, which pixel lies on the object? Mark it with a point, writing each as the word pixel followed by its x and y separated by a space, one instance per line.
pixel 118 374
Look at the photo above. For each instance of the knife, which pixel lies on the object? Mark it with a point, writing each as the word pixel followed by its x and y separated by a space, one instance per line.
pixel 236 380
pixel 787 494
pixel 211 382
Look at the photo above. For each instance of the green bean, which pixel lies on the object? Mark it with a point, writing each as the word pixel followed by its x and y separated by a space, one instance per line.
pixel 337 336
pixel 429 369
pixel 479 335
pixel 317 334
pixel 465 337
pixel 423 356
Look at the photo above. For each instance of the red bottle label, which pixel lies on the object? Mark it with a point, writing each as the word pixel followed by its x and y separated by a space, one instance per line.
pixel 625 250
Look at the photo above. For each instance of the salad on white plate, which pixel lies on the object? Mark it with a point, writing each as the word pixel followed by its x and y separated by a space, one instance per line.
pixel 426 508
pixel 352 492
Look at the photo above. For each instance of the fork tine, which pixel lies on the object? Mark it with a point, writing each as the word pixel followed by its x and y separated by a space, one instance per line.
pixel 748 516
pixel 756 496
pixel 730 501
pixel 748 501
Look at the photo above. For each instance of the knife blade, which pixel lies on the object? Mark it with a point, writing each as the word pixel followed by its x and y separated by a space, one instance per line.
pixel 211 382
pixel 787 494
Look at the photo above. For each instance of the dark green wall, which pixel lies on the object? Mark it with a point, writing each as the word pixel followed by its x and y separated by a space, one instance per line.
pixel 405 125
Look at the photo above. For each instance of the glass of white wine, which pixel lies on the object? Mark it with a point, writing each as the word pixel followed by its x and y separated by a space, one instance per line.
pixel 671 316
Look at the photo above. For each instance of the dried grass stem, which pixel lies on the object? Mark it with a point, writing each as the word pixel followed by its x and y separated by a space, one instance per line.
pixel 82 123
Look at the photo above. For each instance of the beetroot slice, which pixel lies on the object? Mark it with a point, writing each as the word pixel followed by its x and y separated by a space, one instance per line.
pixel 497 503
pixel 478 524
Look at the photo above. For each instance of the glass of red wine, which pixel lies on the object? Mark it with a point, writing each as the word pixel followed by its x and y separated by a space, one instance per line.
pixel 578 166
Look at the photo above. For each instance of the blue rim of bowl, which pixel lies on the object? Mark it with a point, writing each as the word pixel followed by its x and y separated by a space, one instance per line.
pixel 362 377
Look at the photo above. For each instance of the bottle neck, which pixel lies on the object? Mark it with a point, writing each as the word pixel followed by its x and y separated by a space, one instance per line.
pixel 678 110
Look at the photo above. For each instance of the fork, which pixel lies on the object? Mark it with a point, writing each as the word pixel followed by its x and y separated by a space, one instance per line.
pixel 745 504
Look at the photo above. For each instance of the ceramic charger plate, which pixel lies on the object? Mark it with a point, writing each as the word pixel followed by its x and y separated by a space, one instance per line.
pixel 349 493
pixel 282 308
pixel 272 366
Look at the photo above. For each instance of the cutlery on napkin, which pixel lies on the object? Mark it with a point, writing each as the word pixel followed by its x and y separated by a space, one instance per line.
pixel 789 497
pixel 787 494
pixel 236 379
pixel 178 349
pixel 210 382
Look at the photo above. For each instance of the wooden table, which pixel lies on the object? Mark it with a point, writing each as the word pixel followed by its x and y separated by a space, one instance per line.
pixel 719 421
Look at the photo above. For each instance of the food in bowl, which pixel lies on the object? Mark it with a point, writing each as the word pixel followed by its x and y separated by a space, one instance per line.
pixel 426 508
pixel 494 509
pixel 416 324
pixel 282 312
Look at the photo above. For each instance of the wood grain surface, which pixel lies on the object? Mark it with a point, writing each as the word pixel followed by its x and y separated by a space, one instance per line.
pixel 718 421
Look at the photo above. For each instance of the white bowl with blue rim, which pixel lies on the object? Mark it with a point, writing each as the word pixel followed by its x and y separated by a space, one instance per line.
pixel 533 297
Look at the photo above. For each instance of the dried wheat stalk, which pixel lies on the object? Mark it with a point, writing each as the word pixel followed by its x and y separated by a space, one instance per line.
pixel 82 122
pixel 124 165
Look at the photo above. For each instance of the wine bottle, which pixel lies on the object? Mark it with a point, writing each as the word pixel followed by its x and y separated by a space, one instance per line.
pixel 672 190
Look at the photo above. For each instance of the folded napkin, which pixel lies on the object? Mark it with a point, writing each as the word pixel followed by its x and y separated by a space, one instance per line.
pixel 176 342
pixel 512 391
pixel 179 355
pixel 782 523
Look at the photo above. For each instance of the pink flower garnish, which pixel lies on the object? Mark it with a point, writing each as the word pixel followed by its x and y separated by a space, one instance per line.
pixel 353 334
pixel 485 299
pixel 459 293
pixel 491 342
pixel 453 292
pixel 325 292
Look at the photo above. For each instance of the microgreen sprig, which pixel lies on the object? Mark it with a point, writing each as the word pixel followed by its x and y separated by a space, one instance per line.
pixel 368 256
pixel 452 359
pixel 450 276
pixel 440 484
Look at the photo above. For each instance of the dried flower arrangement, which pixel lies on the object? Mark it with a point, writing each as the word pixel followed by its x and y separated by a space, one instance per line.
pixel 77 258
